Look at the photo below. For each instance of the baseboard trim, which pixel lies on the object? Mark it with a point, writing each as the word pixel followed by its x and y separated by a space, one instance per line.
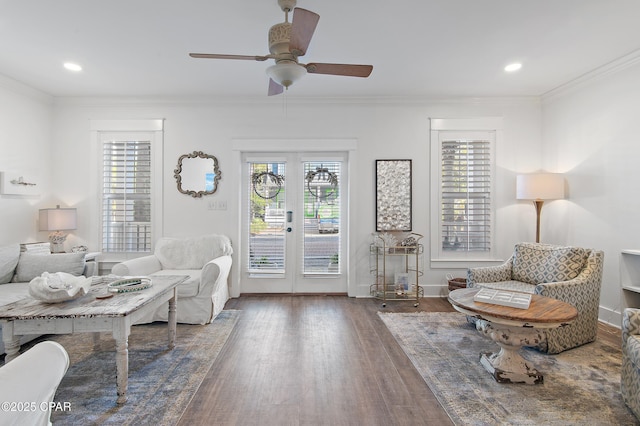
pixel 610 317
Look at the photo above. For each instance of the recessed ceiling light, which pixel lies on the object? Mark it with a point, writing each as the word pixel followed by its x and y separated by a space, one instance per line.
pixel 72 67
pixel 513 67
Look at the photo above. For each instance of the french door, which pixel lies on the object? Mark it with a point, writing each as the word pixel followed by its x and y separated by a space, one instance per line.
pixel 293 232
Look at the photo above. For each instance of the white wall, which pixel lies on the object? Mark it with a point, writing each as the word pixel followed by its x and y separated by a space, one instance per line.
pixel 25 145
pixel 589 133
pixel 384 129
pixel 585 130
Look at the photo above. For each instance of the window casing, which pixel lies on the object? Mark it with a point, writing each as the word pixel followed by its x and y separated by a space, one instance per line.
pixel 462 190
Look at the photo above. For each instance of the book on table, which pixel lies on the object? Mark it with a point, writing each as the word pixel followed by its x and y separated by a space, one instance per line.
pixel 513 299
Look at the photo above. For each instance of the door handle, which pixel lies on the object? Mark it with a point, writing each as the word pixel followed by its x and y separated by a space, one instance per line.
pixel 289 216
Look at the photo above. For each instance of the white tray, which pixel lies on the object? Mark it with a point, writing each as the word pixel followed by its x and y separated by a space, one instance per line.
pixel 504 298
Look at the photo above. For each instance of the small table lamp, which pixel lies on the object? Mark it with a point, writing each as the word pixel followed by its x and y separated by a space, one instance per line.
pixel 57 220
pixel 539 187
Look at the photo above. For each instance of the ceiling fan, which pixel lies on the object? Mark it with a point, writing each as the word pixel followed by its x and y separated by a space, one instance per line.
pixel 287 42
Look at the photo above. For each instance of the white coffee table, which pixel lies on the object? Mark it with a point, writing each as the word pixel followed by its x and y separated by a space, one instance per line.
pixel 88 314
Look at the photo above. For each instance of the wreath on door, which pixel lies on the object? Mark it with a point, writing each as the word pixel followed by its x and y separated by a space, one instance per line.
pixel 267 185
pixel 318 180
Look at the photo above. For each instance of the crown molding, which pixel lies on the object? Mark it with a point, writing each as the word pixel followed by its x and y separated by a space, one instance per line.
pixel 290 101
pixel 603 71
pixel 22 89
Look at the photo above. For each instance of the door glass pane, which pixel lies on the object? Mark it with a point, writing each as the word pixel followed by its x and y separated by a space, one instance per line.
pixel 321 241
pixel 267 217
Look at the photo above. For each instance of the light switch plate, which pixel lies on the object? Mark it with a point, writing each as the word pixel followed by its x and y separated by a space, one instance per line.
pixel 217 205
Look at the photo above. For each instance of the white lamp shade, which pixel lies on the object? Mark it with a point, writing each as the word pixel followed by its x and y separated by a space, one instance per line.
pixel 58 219
pixel 286 73
pixel 540 186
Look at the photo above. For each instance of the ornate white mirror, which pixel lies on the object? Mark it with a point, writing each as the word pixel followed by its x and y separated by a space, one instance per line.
pixel 197 174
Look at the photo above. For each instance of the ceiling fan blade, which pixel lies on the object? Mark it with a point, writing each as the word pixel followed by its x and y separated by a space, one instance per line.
pixel 303 25
pixel 340 69
pixel 217 56
pixel 274 88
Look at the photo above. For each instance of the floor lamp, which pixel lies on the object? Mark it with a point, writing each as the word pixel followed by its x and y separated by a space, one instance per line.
pixel 539 187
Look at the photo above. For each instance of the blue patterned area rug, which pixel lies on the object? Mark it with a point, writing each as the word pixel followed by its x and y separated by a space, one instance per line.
pixel 161 381
pixel 581 386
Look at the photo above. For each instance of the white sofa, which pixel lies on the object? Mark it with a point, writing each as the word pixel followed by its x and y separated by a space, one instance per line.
pixel 207 262
pixel 18 269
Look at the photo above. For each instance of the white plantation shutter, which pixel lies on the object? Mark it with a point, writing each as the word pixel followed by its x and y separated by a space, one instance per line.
pixel 466 207
pixel 126 196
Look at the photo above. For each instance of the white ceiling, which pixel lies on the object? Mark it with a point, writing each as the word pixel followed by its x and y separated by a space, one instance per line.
pixel 434 48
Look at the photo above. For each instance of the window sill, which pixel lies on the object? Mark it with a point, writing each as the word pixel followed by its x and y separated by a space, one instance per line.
pixel 275 274
pixel 463 263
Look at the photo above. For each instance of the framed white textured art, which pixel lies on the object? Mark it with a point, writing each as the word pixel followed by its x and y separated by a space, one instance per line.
pixel 13 183
pixel 393 195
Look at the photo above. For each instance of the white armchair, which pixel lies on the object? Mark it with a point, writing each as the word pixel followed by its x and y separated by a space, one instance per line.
pixel 32 378
pixel 207 262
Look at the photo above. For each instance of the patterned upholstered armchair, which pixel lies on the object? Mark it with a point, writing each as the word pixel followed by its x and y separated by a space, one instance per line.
pixel 570 274
pixel 630 380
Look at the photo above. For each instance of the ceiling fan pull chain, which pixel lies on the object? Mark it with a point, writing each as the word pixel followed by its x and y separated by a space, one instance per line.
pixel 285 111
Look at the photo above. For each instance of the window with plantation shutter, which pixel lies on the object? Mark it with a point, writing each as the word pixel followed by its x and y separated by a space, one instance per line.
pixel 463 169
pixel 126 218
pixel 466 195
pixel 126 196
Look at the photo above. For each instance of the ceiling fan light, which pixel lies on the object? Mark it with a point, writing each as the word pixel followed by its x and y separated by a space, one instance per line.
pixel 286 73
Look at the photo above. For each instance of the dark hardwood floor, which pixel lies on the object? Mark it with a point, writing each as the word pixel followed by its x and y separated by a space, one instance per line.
pixel 317 360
